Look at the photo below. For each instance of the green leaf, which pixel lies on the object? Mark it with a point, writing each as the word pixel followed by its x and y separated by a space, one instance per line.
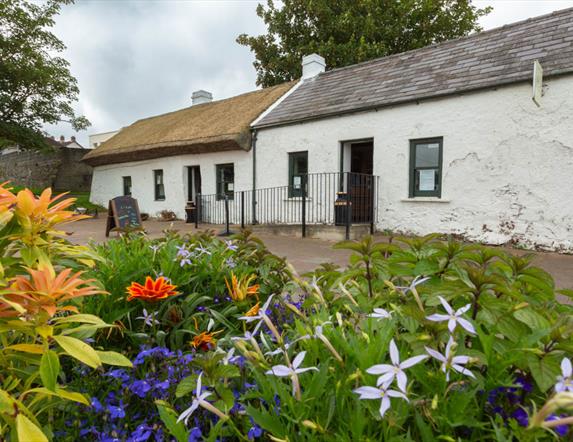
pixel 169 418
pixel 79 350
pixel 424 429
pixel 114 358
pixel 186 386
pixel 532 319
pixel 28 431
pixel 544 371
pixel 426 267
pixel 81 318
pixel 63 394
pixel 49 369
pixel 267 420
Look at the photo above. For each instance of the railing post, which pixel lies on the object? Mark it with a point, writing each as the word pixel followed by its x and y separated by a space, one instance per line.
pixel 303 209
pixel 373 201
pixel 227 230
pixel 348 205
pixel 243 210
pixel 197 208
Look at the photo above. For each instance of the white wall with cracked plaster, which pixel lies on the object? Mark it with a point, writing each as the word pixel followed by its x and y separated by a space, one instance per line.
pixel 507 166
pixel 107 180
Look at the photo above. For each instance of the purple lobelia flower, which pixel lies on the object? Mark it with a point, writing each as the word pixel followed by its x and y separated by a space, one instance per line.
pixel 254 432
pixel 195 435
pixel 521 416
pixel 561 430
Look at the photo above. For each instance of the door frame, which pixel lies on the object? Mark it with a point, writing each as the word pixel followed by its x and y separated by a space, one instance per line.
pixel 193 182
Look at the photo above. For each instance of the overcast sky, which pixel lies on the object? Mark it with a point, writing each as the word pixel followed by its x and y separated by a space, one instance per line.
pixel 138 58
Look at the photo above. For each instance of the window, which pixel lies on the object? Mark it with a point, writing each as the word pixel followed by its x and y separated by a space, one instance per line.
pixel 225 180
pixel 126 186
pixel 426 167
pixel 159 186
pixel 297 173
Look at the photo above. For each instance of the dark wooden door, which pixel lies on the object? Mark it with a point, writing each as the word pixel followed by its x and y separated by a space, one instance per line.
pixel 361 181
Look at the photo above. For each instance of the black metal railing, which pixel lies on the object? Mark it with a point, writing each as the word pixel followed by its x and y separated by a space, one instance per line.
pixel 340 199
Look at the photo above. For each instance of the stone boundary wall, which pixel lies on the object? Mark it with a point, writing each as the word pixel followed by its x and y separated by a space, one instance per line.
pixel 60 169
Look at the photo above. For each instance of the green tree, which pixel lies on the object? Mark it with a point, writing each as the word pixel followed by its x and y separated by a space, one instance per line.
pixel 346 32
pixel 36 86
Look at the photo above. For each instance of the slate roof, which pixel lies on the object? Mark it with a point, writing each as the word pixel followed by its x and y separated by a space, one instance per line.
pixel 209 127
pixel 487 59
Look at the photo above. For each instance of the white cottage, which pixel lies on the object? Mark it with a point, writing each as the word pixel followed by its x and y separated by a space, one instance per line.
pixel 472 137
pixel 167 160
pixel 450 131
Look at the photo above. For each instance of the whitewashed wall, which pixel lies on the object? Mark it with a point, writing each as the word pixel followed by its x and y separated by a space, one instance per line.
pixel 507 168
pixel 107 180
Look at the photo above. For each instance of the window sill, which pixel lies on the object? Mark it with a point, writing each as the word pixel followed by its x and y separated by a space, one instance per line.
pixel 425 199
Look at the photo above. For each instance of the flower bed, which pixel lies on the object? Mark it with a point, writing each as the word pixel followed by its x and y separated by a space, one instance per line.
pixel 217 339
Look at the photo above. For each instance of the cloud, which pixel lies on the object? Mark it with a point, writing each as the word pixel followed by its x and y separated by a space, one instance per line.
pixel 135 59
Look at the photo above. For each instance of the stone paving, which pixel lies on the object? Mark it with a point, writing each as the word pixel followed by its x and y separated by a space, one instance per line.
pixel 304 254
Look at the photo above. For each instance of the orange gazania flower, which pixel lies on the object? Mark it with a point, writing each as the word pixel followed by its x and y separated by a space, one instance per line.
pixel 153 291
pixel 239 290
pixel 44 290
pixel 204 341
pixel 254 311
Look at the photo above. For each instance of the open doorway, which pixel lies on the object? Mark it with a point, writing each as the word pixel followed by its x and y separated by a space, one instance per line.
pixel 362 157
pixel 358 159
pixel 193 182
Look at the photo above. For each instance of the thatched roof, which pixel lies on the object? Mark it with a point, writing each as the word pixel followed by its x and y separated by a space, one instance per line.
pixel 209 127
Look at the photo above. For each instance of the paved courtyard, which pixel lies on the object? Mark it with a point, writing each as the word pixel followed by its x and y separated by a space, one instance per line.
pixel 304 254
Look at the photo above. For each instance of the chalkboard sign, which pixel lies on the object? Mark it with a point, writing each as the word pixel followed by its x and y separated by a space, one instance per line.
pixel 123 215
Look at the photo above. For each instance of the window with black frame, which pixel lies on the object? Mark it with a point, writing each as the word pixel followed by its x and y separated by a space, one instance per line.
pixel 225 181
pixel 297 173
pixel 426 167
pixel 126 186
pixel 159 186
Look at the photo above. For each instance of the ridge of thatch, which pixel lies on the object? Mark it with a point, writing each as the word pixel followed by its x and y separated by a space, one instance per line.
pixel 209 127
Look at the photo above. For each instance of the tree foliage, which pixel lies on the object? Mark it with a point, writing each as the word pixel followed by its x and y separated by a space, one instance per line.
pixel 36 86
pixel 346 32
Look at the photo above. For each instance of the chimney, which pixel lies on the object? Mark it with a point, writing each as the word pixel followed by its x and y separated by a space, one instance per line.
pixel 312 65
pixel 201 96
pixel 73 139
pixel 62 139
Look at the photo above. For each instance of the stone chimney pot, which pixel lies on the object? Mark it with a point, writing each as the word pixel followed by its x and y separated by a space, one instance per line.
pixel 201 96
pixel 312 65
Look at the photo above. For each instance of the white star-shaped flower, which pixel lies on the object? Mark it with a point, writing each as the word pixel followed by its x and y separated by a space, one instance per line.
pixel 417 281
pixel 380 313
pixel 395 370
pixel 292 371
pixel 198 400
pixel 380 393
pixel 260 314
pixel 453 317
pixel 565 381
pixel 449 361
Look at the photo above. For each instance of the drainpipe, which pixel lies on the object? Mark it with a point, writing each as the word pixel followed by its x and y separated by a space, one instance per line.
pixel 254 198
